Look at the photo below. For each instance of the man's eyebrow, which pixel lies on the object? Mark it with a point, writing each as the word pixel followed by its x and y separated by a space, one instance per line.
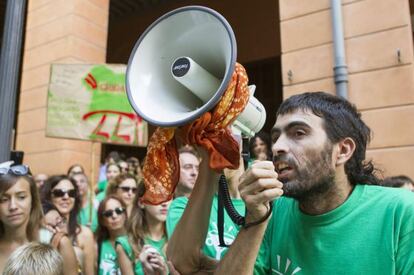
pixel 296 124
pixel 277 130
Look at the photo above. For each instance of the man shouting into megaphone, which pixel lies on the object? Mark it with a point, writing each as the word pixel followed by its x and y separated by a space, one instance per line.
pixel 331 219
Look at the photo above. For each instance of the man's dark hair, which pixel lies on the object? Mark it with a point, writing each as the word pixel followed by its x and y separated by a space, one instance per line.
pixel 397 181
pixel 115 155
pixel 340 120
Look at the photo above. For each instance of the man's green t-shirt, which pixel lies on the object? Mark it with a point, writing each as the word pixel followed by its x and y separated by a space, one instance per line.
pixel 211 247
pixel 372 232
pixel 126 246
pixel 108 260
pixel 88 217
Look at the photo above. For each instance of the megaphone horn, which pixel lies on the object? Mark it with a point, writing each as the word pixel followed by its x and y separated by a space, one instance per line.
pixel 181 66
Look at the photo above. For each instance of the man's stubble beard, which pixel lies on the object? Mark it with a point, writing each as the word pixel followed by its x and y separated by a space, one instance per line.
pixel 315 178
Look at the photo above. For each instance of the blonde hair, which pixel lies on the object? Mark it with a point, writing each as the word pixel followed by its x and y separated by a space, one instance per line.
pixel 34 258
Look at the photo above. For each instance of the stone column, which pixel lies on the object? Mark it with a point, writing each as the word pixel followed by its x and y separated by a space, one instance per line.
pixel 57 31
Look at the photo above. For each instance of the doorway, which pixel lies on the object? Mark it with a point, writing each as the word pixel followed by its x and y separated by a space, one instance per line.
pixel 256 27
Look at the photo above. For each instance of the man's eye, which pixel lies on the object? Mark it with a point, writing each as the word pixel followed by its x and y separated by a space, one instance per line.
pixel 300 133
pixel 22 197
pixel 4 199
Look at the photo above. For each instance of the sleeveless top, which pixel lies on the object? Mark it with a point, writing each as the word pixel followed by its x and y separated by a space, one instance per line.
pixel 124 243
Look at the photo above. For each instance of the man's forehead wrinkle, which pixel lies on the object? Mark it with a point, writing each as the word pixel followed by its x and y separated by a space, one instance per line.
pixel 300 116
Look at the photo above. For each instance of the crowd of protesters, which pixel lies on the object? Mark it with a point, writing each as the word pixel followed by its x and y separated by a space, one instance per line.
pixel 69 224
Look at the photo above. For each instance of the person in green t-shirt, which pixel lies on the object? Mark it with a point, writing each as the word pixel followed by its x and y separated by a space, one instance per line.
pixel 189 163
pixel 112 219
pixel 332 218
pixel 212 246
pixel 87 215
pixel 143 250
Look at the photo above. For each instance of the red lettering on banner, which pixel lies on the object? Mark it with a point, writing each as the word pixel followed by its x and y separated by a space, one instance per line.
pixel 98 134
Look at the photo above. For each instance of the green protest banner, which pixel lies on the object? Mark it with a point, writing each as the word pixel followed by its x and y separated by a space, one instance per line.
pixel 89 102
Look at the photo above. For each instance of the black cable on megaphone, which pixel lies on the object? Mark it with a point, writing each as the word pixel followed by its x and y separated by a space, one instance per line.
pixel 224 202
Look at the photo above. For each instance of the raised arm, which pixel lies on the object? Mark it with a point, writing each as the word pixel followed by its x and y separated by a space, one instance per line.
pixel 87 243
pixel 184 247
pixel 258 186
pixel 70 263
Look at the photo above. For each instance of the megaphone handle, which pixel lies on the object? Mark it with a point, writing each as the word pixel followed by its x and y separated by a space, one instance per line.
pixel 225 200
pixel 245 151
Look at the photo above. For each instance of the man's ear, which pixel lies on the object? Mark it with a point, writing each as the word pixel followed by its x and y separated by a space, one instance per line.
pixel 346 149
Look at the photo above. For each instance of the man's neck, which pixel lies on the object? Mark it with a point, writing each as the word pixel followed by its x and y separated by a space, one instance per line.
pixel 181 191
pixel 335 196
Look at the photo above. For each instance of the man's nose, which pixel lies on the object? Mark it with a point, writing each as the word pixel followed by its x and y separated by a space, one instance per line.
pixel 281 146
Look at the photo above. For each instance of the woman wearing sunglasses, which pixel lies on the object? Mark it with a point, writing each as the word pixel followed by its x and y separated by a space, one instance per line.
pixel 20 209
pixel 143 252
pixel 63 193
pixel 111 225
pixel 125 187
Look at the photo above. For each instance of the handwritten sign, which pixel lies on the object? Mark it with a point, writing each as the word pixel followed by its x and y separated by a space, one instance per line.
pixel 89 102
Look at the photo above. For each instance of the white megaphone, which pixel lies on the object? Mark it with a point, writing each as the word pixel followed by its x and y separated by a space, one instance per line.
pixel 180 67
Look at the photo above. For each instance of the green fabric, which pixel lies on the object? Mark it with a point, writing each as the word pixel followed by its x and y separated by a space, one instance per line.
pixel 250 162
pixel 102 99
pixel 108 264
pixel 102 186
pixel 84 217
pixel 123 241
pixel 211 247
pixel 101 196
pixel 372 232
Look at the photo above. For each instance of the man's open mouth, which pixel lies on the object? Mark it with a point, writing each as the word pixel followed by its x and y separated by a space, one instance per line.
pixel 283 170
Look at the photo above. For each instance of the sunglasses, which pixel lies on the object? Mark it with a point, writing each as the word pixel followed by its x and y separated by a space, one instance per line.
pixel 126 189
pixel 59 193
pixel 17 170
pixel 109 213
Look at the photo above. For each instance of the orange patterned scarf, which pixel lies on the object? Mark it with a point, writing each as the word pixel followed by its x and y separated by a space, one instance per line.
pixel 161 168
